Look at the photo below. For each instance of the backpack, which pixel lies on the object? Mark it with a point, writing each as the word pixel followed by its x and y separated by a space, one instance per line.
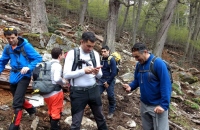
pixel 117 58
pixel 78 62
pixel 42 82
pixel 152 68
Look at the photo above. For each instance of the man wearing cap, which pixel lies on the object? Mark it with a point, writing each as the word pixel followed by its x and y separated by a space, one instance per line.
pixel 155 92
pixel 23 59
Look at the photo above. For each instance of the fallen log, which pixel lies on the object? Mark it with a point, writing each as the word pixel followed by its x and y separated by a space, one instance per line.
pixel 14 20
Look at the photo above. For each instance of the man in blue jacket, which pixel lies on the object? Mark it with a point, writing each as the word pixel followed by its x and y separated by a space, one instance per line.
pixel 107 81
pixel 155 92
pixel 23 59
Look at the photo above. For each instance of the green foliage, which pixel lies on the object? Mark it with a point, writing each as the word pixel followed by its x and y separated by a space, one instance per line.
pixel 196 100
pixel 177 35
pixel 192 105
pixel 97 9
pixel 53 23
pixel 74 5
pixel 177 89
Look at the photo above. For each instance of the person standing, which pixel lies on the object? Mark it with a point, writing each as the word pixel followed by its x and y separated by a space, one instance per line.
pixel 23 59
pixel 107 81
pixel 54 100
pixel 83 89
pixel 155 92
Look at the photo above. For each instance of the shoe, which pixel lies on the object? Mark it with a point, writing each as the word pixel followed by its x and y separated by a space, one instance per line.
pixel 110 115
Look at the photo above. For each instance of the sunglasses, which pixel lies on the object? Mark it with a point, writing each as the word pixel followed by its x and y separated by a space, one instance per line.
pixel 9 28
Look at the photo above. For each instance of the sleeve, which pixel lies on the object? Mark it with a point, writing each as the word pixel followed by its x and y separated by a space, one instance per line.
pixel 165 83
pixel 4 59
pixel 135 83
pixel 67 71
pixel 97 57
pixel 57 74
pixel 113 67
pixel 33 56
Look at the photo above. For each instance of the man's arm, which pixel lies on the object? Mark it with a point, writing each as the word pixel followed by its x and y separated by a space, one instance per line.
pixel 165 83
pixel 67 71
pixel 33 56
pixel 4 59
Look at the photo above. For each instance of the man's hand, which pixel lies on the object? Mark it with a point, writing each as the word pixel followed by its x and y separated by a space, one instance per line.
pixel 126 87
pixel 96 70
pixel 24 70
pixel 159 110
pixel 89 70
pixel 106 85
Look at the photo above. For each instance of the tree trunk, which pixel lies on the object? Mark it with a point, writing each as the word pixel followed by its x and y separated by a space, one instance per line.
pixel 165 23
pixel 123 24
pixel 192 17
pixel 110 30
pixel 197 23
pixel 137 20
pixel 39 18
pixel 134 20
pixel 84 4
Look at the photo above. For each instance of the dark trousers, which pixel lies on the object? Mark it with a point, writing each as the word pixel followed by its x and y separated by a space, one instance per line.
pixel 111 95
pixel 18 91
pixel 79 100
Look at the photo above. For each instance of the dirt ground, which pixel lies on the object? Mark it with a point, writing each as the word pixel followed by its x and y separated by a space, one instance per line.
pixel 127 108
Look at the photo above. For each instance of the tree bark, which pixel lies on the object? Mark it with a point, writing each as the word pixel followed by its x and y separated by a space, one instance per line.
pixel 39 18
pixel 110 30
pixel 165 23
pixel 84 4
pixel 137 21
pixel 123 24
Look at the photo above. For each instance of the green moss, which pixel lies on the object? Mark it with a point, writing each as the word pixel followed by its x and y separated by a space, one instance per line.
pixel 59 40
pixel 177 89
pixel 196 100
pixel 191 104
pixel 181 121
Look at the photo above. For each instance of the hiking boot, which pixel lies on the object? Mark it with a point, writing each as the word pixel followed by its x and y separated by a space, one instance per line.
pixel 110 116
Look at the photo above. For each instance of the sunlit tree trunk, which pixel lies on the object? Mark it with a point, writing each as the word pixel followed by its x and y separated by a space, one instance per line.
pixel 164 25
pixel 84 4
pixel 110 30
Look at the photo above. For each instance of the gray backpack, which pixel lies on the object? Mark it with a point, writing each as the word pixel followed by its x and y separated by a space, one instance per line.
pixel 42 82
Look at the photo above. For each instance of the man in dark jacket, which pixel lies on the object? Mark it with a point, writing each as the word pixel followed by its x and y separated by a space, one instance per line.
pixel 23 59
pixel 107 81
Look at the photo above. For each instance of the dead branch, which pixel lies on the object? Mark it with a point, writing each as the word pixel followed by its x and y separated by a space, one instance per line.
pixel 177 126
pixel 14 20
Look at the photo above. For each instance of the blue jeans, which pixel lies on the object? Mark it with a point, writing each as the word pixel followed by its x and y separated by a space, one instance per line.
pixel 110 93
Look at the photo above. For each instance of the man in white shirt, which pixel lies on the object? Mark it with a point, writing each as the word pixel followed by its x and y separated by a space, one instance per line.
pixel 83 88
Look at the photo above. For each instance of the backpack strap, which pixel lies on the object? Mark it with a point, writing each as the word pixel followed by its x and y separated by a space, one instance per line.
pixel 92 57
pixel 22 50
pixel 77 59
pixel 109 58
pixel 152 66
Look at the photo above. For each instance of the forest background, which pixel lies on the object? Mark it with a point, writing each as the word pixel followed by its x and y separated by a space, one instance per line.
pixel 158 23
